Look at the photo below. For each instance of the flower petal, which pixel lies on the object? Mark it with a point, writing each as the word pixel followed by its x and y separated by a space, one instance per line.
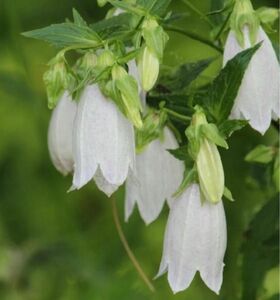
pixel 257 98
pixel 159 175
pixel 195 240
pixel 60 134
pixel 102 137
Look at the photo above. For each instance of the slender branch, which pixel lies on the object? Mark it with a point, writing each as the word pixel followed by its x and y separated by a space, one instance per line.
pixel 198 12
pixel 193 36
pixel 127 247
pixel 177 115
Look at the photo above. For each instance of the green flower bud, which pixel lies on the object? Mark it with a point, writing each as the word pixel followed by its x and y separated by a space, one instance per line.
pixel 208 162
pixel 57 79
pixel 243 14
pixel 126 95
pixel 105 59
pixel 148 65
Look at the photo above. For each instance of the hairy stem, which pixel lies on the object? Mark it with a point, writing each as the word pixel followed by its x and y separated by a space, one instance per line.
pixel 127 247
pixel 193 36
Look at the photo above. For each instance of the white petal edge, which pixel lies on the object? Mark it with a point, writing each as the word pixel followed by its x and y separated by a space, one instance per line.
pixel 159 175
pixel 195 240
pixel 60 134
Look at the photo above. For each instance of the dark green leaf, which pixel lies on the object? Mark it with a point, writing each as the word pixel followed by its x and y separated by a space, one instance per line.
pixel 223 91
pixel 180 153
pixel 154 7
pixel 65 35
pixel 228 127
pixel 189 177
pixel 78 19
pixel 180 78
pixel 259 256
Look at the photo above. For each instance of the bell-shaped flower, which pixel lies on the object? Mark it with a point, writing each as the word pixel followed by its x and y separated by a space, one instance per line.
pixel 60 134
pixel 103 142
pixel 159 174
pixel 258 97
pixel 195 240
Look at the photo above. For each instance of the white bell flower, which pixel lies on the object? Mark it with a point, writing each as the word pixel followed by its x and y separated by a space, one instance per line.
pixel 195 240
pixel 258 97
pixel 60 134
pixel 159 175
pixel 103 142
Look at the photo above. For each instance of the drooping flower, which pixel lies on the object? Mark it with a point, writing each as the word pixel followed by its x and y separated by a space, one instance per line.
pixel 258 97
pixel 103 142
pixel 60 134
pixel 159 174
pixel 195 240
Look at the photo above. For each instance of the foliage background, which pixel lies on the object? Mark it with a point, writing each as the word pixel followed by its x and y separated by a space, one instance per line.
pixel 64 246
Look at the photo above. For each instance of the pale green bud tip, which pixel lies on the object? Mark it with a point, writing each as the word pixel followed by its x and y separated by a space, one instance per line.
pixel 199 117
pixel 148 69
pixel 118 72
pixel 106 59
pixel 210 171
pixel 243 14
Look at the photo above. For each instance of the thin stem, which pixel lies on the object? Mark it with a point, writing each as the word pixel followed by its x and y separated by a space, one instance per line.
pixel 177 115
pixel 198 12
pixel 193 36
pixel 128 249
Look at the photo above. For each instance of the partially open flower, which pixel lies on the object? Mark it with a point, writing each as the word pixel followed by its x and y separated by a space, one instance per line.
pixel 159 174
pixel 195 240
pixel 103 142
pixel 60 134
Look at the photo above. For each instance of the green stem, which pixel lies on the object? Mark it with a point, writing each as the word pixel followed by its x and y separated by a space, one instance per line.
pixel 127 247
pixel 177 115
pixel 198 12
pixel 193 36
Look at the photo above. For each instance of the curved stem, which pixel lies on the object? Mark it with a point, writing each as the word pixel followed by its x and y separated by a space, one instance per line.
pixel 193 36
pixel 177 115
pixel 198 12
pixel 127 247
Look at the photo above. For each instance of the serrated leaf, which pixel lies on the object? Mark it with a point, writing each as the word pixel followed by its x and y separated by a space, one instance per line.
pixel 66 35
pixel 261 154
pixel 181 77
pixel 223 91
pixel 228 127
pixel 211 132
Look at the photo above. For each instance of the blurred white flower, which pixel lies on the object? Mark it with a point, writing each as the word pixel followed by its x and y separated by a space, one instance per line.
pixel 195 240
pixel 159 174
pixel 258 96
pixel 103 142
pixel 60 134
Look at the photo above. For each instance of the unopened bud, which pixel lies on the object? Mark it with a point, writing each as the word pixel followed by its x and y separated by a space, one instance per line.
pixel 148 66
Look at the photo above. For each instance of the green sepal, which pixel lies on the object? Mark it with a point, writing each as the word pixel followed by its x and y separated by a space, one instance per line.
pixel 58 78
pixel 243 14
pixel 268 15
pixel 101 3
pixel 228 195
pixel 228 127
pixel 194 136
pixel 211 132
pixel 190 176
pixel 261 154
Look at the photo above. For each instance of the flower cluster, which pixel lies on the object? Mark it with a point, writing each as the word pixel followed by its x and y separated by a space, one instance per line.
pixel 103 129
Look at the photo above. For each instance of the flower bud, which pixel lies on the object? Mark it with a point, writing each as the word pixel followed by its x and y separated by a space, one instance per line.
pixel 148 66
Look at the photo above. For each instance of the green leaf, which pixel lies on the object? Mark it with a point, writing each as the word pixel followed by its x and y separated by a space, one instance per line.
pixel 211 132
pixel 181 77
pixel 228 127
pixel 259 256
pixel 78 19
pixel 181 153
pixel 261 154
pixel 223 91
pixel 227 194
pixel 66 35
pixel 154 7
pixel 189 177
pixel 129 7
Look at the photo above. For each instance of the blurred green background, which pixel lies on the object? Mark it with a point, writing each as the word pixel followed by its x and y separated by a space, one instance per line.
pixel 56 245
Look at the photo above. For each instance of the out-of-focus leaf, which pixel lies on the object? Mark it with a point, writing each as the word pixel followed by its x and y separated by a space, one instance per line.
pixel 260 256
pixel 261 154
